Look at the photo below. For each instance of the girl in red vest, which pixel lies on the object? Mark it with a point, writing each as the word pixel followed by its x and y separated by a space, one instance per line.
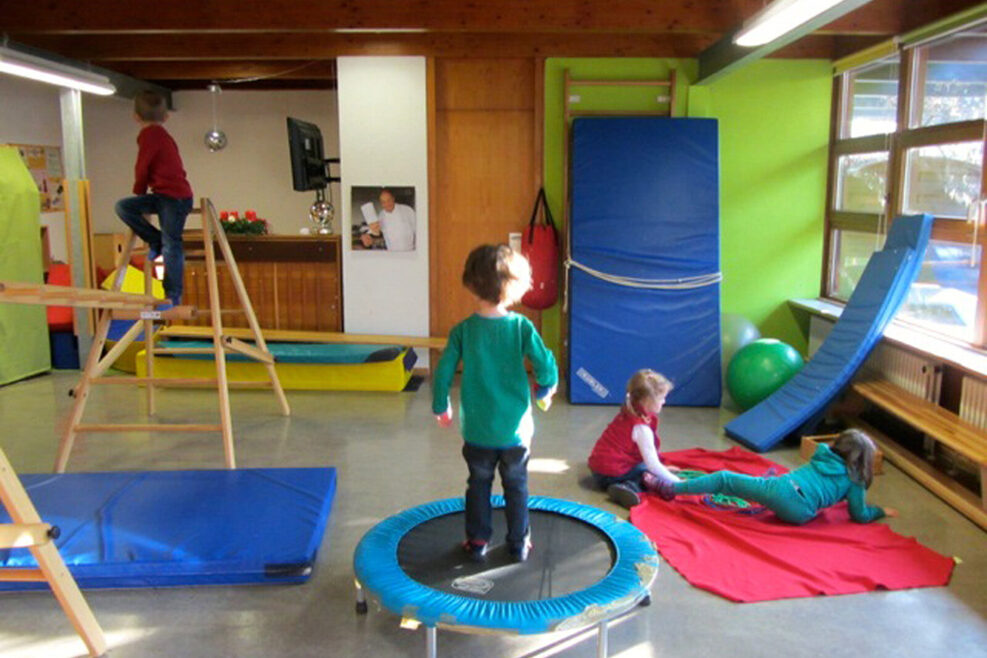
pixel 625 458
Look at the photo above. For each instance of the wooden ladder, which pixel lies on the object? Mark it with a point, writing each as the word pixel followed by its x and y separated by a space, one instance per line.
pixel 28 531
pixel 96 367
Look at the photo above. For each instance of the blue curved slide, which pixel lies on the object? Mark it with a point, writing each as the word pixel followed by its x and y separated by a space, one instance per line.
pixel 882 289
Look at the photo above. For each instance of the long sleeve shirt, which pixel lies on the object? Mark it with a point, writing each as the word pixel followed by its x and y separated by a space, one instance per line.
pixel 159 165
pixel 495 397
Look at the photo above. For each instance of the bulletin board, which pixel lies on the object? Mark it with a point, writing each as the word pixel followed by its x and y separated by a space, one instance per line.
pixel 45 165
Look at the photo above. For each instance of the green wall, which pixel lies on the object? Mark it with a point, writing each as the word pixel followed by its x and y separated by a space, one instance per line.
pixel 774 134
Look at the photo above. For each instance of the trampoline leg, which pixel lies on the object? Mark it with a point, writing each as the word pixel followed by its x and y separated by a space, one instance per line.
pixel 431 635
pixel 361 600
pixel 601 642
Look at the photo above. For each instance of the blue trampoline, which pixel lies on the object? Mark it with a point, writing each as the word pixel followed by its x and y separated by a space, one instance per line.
pixel 587 567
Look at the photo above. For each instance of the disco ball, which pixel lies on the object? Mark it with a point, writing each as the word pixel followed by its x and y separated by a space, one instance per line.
pixel 215 140
pixel 321 214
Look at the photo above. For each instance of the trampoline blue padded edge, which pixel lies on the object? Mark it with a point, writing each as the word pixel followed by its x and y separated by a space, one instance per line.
pixel 628 582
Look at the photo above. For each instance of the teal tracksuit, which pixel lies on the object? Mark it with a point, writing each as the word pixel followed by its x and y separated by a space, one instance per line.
pixel 797 496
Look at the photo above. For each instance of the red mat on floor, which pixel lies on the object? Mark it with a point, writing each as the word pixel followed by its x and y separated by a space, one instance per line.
pixel 748 557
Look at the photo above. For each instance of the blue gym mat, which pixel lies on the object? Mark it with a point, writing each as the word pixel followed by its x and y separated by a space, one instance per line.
pixel 170 528
pixel 883 287
pixel 645 220
pixel 302 352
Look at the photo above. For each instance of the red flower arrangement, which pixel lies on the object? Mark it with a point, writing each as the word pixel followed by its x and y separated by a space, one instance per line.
pixel 249 224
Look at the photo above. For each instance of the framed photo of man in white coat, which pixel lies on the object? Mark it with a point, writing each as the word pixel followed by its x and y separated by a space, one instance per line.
pixel 383 218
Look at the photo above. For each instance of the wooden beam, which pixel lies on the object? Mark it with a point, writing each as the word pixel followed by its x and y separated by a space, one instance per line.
pixel 291 336
pixel 109 49
pixel 23 535
pixel 71 16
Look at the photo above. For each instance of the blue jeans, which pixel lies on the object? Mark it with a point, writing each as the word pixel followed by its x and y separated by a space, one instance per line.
pixel 513 466
pixel 778 494
pixel 168 240
pixel 631 478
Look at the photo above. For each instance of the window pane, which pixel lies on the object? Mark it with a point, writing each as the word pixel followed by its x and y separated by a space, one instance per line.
pixel 862 182
pixel 954 75
pixel 943 180
pixel 872 108
pixel 853 250
pixel 944 297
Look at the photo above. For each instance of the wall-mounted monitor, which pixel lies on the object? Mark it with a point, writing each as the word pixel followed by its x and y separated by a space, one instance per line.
pixel 308 162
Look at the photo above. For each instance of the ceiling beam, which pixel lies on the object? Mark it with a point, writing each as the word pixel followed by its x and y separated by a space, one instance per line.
pixel 222 16
pixel 725 56
pixel 108 51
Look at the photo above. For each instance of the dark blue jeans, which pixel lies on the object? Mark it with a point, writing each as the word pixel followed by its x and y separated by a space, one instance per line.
pixel 513 466
pixel 168 240
pixel 631 477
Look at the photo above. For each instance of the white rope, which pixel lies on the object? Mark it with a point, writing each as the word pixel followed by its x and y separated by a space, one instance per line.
pixel 685 283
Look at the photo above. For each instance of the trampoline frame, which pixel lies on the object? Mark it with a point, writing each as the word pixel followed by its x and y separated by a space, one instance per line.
pixel 379 577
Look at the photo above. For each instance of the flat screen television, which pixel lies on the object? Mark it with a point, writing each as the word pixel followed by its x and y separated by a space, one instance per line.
pixel 308 163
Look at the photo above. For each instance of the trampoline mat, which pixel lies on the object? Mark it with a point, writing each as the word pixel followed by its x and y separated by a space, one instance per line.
pixel 569 555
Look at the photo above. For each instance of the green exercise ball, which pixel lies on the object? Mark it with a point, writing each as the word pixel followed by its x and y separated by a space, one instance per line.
pixel 759 369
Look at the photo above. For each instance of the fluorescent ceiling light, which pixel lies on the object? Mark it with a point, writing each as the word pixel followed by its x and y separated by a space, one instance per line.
pixel 779 18
pixel 44 70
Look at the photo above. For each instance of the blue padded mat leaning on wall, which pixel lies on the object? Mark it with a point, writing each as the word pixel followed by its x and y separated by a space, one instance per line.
pixel 882 289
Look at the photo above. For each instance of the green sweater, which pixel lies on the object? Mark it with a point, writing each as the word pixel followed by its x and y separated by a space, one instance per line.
pixel 495 397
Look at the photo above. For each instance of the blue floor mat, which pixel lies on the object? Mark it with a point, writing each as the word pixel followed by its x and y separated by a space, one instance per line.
pixel 883 287
pixel 169 528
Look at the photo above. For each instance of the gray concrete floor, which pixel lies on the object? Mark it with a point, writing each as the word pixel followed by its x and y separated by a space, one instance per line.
pixel 390 456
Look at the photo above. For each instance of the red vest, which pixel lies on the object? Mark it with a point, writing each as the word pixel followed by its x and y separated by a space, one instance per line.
pixel 615 452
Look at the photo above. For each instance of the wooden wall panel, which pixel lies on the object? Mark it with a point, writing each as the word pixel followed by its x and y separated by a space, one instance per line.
pixel 487 166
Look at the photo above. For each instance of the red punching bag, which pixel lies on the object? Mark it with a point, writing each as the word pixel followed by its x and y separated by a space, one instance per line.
pixel 540 245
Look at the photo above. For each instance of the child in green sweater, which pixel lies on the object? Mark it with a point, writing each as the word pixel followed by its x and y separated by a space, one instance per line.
pixel 495 396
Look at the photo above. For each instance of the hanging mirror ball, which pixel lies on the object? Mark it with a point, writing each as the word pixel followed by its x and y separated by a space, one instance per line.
pixel 215 140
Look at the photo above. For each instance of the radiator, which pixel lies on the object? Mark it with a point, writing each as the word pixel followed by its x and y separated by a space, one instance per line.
pixel 918 375
pixel 973 402
pixel 915 374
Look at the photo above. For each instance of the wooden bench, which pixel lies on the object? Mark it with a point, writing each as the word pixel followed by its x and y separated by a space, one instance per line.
pixel 939 424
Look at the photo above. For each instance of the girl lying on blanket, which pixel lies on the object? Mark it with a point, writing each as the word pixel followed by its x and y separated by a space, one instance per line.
pixel 842 472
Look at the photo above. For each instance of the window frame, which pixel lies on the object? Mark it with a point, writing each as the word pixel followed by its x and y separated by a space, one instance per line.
pixel 897 145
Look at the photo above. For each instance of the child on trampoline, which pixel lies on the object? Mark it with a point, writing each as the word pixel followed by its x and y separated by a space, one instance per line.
pixel 159 167
pixel 625 460
pixel 495 396
pixel 844 471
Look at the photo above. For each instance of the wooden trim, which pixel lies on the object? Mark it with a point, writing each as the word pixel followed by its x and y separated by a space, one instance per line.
pixel 292 336
pixel 23 535
pixel 433 201
pixel 854 221
pixel 947 133
pixel 855 145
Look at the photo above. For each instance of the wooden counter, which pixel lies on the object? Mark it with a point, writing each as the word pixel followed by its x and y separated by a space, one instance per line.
pixel 294 282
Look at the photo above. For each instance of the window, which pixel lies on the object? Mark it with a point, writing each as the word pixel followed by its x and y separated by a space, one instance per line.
pixel 952 79
pixel 873 101
pixel 910 139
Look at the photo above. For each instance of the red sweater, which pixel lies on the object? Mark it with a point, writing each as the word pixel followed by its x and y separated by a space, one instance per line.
pixel 159 166
pixel 615 452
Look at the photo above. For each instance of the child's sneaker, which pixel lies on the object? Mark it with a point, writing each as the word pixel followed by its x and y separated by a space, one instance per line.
pixel 650 481
pixel 476 549
pixel 623 494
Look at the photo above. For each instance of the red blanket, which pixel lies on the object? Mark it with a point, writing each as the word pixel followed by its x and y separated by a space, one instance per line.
pixel 755 557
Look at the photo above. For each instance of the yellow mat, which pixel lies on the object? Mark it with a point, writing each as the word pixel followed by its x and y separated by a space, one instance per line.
pixel 379 376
